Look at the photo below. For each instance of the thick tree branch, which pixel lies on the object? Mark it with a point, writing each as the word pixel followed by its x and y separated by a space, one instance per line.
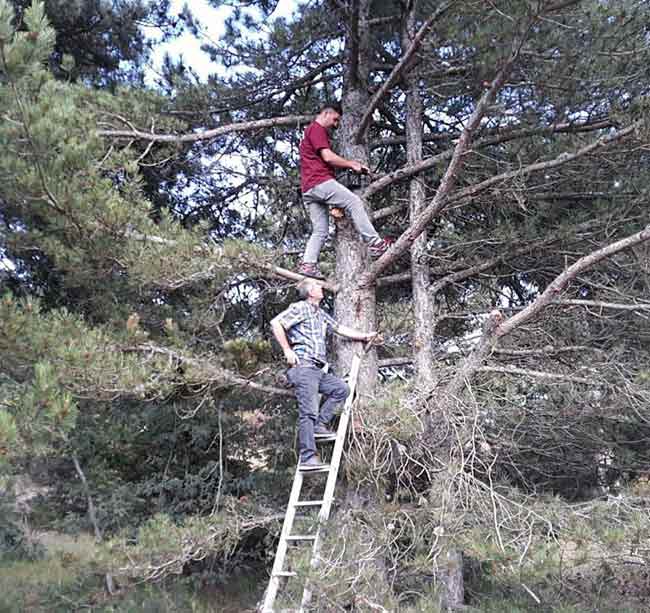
pixel 496 327
pixel 539 374
pixel 294 276
pixel 243 126
pixel 561 281
pixel 600 304
pixel 394 362
pixel 548 350
pixel 413 169
pixel 397 72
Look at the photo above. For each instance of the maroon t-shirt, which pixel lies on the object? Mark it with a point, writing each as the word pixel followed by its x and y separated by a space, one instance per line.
pixel 313 169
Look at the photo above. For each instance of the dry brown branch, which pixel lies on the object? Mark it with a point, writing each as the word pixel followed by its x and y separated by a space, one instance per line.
pixel 561 281
pixel 243 126
pixel 600 304
pixel 544 351
pixel 538 374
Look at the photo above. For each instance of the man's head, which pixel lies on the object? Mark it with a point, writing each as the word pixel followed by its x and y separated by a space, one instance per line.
pixel 310 289
pixel 329 116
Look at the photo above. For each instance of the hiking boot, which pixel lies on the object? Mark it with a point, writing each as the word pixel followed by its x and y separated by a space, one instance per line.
pixel 313 463
pixel 322 432
pixel 310 270
pixel 379 246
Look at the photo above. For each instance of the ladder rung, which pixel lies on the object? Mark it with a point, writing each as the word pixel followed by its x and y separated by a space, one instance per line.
pixel 324 469
pixel 285 573
pixel 301 537
pixel 309 503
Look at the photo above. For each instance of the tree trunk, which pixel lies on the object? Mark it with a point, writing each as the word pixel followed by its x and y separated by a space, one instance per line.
pixel 108 578
pixel 422 303
pixel 355 307
pixel 451 577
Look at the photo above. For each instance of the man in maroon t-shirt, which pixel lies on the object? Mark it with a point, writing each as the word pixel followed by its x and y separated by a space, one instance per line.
pixel 320 190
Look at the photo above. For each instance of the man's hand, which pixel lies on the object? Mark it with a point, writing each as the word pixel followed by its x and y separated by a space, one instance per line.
pixel 374 338
pixel 359 167
pixel 291 357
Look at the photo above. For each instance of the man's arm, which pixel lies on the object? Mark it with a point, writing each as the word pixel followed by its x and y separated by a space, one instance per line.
pixel 353 334
pixel 283 341
pixel 329 157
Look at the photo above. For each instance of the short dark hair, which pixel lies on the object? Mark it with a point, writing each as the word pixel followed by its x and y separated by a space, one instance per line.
pixel 332 106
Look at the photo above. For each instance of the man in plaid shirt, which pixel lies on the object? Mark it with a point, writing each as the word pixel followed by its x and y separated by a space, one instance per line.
pixel 301 331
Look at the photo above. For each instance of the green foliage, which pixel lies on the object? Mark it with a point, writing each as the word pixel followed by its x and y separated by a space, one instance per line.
pixel 8 433
pixel 164 547
pixel 45 411
pixel 24 52
pixel 245 355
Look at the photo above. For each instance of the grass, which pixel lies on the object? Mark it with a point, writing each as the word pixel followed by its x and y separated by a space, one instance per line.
pixel 69 578
pixel 596 575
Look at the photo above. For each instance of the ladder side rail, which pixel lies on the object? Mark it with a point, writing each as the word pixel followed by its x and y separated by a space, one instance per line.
pixel 283 543
pixel 341 433
pixel 332 477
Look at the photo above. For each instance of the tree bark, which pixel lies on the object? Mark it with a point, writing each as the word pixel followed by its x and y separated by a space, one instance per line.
pixel 422 304
pixel 355 307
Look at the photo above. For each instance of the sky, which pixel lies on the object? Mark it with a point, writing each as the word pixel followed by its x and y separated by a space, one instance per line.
pixel 212 22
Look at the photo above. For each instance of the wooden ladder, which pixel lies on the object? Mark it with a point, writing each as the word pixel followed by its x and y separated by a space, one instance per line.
pixel 278 572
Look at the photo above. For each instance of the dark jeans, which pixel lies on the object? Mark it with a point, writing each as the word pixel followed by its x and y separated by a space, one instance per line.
pixel 308 382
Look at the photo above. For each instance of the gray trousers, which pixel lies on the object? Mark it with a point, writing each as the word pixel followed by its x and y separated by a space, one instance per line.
pixel 308 382
pixel 332 194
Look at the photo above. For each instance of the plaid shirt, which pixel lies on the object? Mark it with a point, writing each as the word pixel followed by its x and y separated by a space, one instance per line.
pixel 306 327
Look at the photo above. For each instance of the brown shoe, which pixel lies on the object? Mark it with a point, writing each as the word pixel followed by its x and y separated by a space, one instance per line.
pixel 310 270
